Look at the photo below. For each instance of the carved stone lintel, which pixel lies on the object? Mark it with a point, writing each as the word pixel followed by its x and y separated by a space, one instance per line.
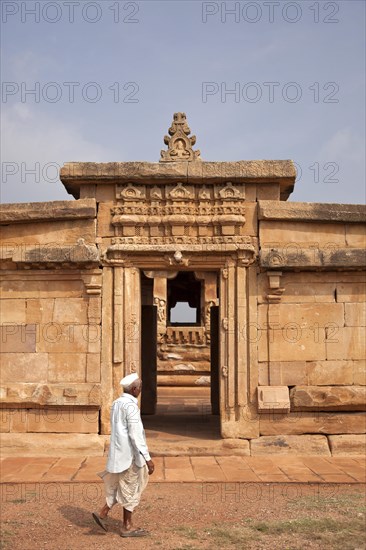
pixel 131 192
pixel 180 193
pixel 161 274
pixel 229 192
pixel 81 254
pixel 179 144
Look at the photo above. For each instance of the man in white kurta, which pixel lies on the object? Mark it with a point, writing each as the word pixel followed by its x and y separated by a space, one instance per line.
pixel 129 462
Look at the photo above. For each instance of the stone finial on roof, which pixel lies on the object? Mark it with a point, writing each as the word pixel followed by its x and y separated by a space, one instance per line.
pixel 179 144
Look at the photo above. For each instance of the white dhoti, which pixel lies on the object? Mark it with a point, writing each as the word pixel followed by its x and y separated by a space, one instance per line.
pixel 125 487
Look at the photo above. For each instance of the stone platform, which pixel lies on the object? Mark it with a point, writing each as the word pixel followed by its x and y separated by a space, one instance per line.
pixel 223 469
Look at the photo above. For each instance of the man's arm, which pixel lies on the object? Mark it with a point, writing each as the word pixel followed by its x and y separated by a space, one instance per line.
pixel 136 431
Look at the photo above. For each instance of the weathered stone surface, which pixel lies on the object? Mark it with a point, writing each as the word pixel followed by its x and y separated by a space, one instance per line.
pixel 359 373
pixel 284 373
pixel 183 380
pixel 63 420
pixel 66 367
pixel 18 338
pixel 307 317
pixel 273 398
pixel 19 238
pixel 93 367
pixel 79 253
pixel 355 315
pixel 66 394
pixel 329 397
pixel 41 444
pixel 221 447
pixel 50 420
pixel 24 367
pixel 13 312
pixel 268 192
pixel 105 193
pixel 316 287
pixel 292 343
pixel 74 174
pixel 71 311
pixel 39 289
pixel 345 342
pixel 304 257
pixel 351 292
pixel 310 423
pixel 169 367
pixel 104 225
pixel 75 338
pixel 302 445
pixel 313 373
pixel 329 373
pixel 274 210
pixel 294 237
pixel 347 444
pixel 251 223
pixel 56 210
pixel 356 235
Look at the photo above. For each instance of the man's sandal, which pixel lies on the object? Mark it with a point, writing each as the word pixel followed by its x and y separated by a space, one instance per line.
pixel 99 521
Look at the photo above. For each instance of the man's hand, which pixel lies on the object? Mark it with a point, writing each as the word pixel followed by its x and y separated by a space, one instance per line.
pixel 150 466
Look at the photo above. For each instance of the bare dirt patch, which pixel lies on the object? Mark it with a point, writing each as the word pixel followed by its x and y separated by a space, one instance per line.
pixel 188 517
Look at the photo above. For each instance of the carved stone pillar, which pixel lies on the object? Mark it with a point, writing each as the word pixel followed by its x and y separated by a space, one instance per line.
pixel 160 301
pixel 238 415
pixel 132 320
pixel 208 298
pixel 160 297
pixel 106 350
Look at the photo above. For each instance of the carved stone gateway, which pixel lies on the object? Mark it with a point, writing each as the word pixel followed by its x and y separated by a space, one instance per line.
pixel 277 287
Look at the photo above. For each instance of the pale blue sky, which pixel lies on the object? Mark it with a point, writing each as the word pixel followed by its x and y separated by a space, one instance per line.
pixel 163 60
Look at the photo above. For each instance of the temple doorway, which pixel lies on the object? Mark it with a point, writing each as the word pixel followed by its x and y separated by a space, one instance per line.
pixel 180 352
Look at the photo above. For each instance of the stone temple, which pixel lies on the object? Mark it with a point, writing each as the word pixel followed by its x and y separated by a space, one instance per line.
pixel 194 274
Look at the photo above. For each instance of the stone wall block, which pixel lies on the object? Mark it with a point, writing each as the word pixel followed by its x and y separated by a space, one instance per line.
pixel 347 444
pixel 18 338
pixel 65 337
pixel 305 235
pixel 104 226
pixel 63 420
pixel 329 373
pixel 66 367
pixel 72 310
pixel 24 367
pixel 49 234
pixel 68 394
pixel 356 235
pixel 41 289
pixel 328 398
pixel 47 444
pixel 359 373
pixel 93 366
pixel 312 422
pixel 345 342
pixel 351 292
pixel 13 312
pixel 292 343
pixel 355 315
pixel 301 445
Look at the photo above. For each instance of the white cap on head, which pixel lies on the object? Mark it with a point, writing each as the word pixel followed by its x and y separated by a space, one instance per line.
pixel 127 380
